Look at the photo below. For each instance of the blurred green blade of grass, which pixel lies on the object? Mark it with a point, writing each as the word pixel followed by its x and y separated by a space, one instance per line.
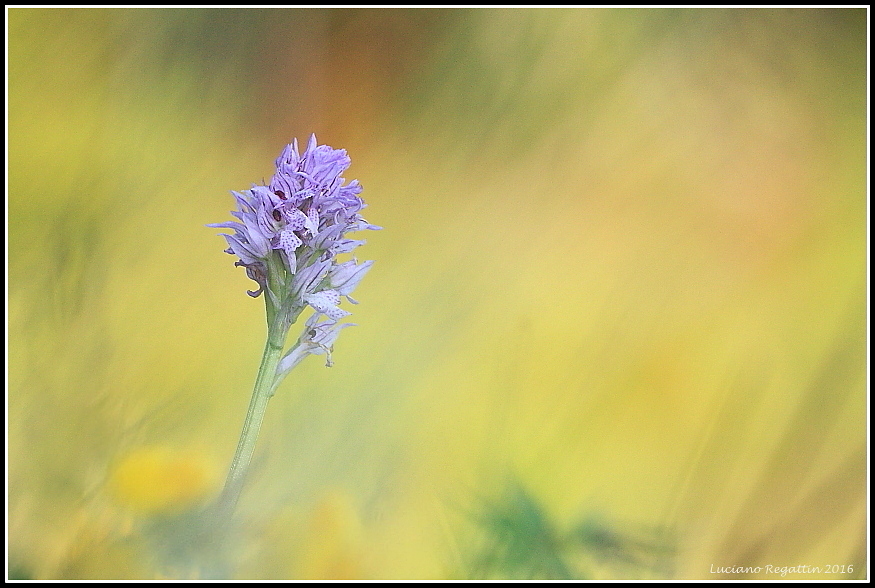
pixel 792 465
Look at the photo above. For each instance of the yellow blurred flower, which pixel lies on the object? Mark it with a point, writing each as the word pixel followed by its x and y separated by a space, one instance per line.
pixel 333 548
pixel 160 479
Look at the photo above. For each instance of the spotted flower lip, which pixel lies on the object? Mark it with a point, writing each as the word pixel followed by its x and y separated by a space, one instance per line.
pixel 297 225
pixel 327 302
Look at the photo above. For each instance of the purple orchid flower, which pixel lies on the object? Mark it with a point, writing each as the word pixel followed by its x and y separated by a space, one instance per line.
pixel 299 222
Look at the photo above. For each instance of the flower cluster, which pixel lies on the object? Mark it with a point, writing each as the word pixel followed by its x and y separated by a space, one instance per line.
pixel 290 232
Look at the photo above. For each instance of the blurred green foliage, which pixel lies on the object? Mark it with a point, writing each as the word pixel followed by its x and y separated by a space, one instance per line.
pixel 521 542
pixel 624 257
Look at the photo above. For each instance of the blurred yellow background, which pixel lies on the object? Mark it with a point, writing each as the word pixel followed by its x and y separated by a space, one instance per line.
pixel 616 327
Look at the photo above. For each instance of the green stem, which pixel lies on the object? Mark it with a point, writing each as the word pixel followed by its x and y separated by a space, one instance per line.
pixel 264 385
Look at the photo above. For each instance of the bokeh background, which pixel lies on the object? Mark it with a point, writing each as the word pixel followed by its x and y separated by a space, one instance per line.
pixel 616 327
